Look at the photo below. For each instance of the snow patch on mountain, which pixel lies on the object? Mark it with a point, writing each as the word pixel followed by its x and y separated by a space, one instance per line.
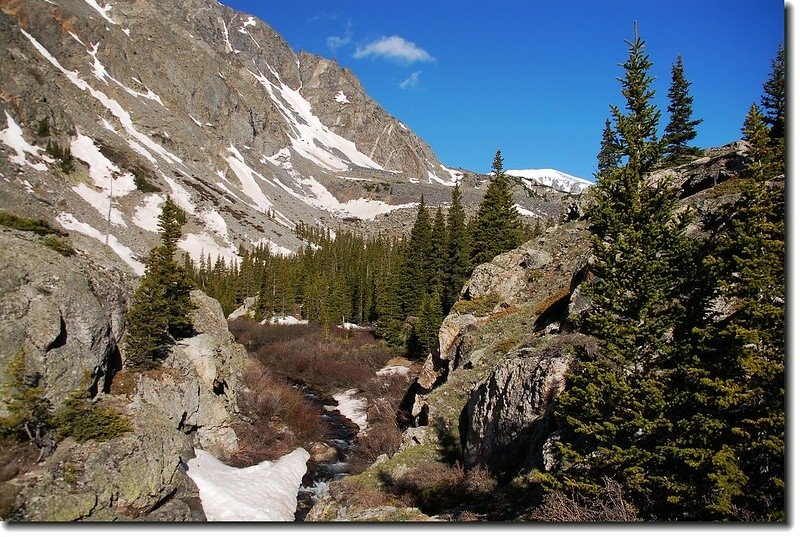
pixel 13 138
pixel 310 137
pixel 555 179
pixel 71 223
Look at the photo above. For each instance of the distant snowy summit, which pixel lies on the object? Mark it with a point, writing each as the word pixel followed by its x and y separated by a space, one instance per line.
pixel 555 179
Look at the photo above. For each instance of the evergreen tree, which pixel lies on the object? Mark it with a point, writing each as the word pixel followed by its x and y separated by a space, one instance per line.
pixel 729 393
pixel 765 158
pixel 417 267
pixel 426 328
pixel 161 303
pixel 681 127
pixel 497 225
pixel 457 266
pixel 613 408
pixel 774 97
pixel 438 251
pixel 608 157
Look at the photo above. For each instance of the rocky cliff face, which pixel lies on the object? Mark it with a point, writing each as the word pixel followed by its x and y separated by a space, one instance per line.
pixel 65 316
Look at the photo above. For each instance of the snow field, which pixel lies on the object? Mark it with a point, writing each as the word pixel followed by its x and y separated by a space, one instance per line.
pixel 13 138
pixel 266 492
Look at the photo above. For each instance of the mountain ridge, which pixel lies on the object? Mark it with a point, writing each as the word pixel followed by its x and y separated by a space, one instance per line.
pixel 212 107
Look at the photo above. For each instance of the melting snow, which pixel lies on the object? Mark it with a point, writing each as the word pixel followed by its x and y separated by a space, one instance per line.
pixel 352 408
pixel 341 98
pixel 199 245
pixel 102 170
pixel 274 248
pixel 146 215
pixel 310 137
pixel 264 492
pixel 102 10
pixel 70 222
pixel 394 370
pixel 13 138
pixel 180 195
pixel 523 211
pixel 285 320
pixel 112 106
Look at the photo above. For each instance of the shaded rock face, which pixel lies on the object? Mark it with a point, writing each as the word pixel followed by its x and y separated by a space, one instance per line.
pixel 65 313
pixel 507 418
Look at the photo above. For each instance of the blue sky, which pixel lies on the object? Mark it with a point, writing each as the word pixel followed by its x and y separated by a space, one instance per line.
pixel 534 78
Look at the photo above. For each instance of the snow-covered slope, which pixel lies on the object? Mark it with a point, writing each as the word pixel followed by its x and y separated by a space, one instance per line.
pixel 549 177
pixel 194 100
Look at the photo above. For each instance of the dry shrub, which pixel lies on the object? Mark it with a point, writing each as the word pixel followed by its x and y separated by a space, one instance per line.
pixel 280 416
pixel 354 493
pixel 436 487
pixel 383 435
pixel 255 335
pixel 607 506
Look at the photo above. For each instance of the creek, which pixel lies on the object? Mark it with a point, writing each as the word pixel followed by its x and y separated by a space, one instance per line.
pixel 341 435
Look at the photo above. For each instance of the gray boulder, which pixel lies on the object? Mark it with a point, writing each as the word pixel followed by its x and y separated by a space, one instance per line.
pixel 508 416
pixel 66 314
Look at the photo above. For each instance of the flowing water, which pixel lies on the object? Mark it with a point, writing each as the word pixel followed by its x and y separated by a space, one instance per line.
pixel 341 436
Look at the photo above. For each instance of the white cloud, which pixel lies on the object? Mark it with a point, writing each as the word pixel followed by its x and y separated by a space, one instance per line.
pixel 412 81
pixel 394 48
pixel 335 42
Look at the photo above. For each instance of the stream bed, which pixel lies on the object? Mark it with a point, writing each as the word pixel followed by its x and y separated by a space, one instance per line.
pixel 341 436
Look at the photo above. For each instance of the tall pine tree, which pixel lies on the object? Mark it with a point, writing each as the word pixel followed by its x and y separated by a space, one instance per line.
pixel 773 99
pixel 457 265
pixel 417 270
pixel 612 411
pixel 681 127
pixel 161 303
pixel 497 226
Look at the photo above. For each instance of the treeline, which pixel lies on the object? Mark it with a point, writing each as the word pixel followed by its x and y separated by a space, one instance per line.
pixel 404 286
pixel 684 404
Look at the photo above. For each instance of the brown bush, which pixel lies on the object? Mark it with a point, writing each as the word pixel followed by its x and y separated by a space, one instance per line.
pixel 607 506
pixel 279 417
pixel 436 487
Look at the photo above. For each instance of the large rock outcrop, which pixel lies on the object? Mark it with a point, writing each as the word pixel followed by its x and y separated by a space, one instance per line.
pixel 507 418
pixel 67 314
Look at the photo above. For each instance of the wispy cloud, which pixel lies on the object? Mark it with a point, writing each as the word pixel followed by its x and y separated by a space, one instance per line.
pixel 394 48
pixel 335 42
pixel 412 81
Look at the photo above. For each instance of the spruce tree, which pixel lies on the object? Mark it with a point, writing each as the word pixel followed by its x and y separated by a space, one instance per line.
pixel 497 226
pixel 608 157
pixel 774 97
pixel 612 411
pixel 681 127
pixel 426 328
pixel 457 266
pixel 438 252
pixel 161 303
pixel 417 267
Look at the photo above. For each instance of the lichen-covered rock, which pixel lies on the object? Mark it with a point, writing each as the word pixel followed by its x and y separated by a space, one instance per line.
pixel 506 276
pixel 65 313
pixel 507 418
